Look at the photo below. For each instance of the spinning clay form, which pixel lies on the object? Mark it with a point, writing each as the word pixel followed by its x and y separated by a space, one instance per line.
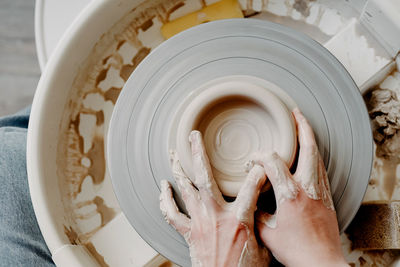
pixel 238 117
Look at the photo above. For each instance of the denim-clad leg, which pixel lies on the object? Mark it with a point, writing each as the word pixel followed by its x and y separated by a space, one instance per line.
pixel 21 242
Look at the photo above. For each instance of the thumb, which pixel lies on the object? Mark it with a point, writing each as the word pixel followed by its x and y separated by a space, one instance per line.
pixel 279 175
pixel 246 200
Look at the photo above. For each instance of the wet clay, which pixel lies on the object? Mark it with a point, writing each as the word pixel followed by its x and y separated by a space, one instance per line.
pixel 231 133
pixel 384 110
pixel 71 234
pixel 74 240
pixel 127 70
pixel 100 259
pixel 375 231
pixel 106 213
pixel 75 153
pixel 237 118
pixel 98 167
pixel 112 94
pixel 303 7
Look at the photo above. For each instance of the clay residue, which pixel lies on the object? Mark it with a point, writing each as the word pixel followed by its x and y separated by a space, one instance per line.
pixel 376 258
pixel 71 234
pixel 73 238
pixel 113 93
pixel 76 172
pixel 176 7
pixel 106 213
pixel 99 117
pixel 120 43
pixel 96 155
pixel 303 7
pixel 388 168
pixel 74 126
pixel 127 70
pixel 301 24
pixel 100 259
pixel 384 111
pixel 102 75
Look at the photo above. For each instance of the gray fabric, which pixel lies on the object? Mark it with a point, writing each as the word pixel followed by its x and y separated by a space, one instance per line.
pixel 21 242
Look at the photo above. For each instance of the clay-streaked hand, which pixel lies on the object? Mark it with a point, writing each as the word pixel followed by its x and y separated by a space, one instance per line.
pixel 218 233
pixel 304 229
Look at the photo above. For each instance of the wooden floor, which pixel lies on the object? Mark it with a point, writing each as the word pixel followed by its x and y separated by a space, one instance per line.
pixel 19 67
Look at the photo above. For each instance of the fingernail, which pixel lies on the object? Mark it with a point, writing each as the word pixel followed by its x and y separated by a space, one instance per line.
pixel 194 136
pixel 249 165
pixel 296 110
pixel 258 174
pixel 258 170
pixel 164 185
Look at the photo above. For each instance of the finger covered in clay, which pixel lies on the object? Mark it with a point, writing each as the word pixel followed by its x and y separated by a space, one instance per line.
pixel 189 193
pixel 246 200
pixel 204 179
pixel 171 211
pixel 311 173
pixel 307 174
pixel 278 174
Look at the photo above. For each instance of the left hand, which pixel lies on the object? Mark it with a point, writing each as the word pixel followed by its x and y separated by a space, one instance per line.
pixel 218 233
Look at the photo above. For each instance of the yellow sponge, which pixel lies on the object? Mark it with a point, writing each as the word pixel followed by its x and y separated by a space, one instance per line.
pixel 223 9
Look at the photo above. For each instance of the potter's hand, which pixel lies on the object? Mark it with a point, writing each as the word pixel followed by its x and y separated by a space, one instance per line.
pixel 304 229
pixel 218 233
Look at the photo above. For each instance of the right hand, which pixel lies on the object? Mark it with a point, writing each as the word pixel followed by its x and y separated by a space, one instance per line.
pixel 304 229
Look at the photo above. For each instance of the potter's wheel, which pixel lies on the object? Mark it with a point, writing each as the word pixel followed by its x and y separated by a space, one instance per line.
pixel 307 72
